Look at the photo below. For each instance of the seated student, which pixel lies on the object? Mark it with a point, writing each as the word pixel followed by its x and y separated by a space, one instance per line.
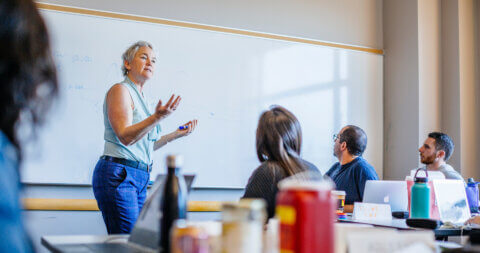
pixel 278 141
pixel 29 84
pixel 351 171
pixel 435 152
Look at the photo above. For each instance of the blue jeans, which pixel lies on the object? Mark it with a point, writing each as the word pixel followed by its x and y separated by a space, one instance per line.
pixel 120 192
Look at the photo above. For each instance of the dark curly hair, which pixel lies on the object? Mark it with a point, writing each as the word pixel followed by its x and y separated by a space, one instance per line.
pixel 443 142
pixel 27 71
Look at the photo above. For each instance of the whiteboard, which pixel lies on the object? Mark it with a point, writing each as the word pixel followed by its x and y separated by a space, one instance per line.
pixel 225 81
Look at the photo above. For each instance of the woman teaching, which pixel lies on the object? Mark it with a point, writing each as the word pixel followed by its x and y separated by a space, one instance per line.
pixel 132 133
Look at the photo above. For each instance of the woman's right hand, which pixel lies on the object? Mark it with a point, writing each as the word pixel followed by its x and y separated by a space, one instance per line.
pixel 189 127
pixel 162 111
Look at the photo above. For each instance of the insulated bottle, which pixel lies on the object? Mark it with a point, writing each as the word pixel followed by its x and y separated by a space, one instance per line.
pixel 173 200
pixel 472 195
pixel 420 207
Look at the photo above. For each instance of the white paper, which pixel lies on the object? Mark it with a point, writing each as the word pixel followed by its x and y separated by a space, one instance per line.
pixel 371 212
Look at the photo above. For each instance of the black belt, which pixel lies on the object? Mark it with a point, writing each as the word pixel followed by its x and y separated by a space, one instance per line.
pixel 129 163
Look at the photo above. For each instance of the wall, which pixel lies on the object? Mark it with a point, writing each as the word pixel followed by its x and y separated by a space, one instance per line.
pixel 401 82
pixel 355 22
pixel 450 75
pixel 460 82
pixel 468 101
pixel 431 81
pixel 477 63
pixel 429 61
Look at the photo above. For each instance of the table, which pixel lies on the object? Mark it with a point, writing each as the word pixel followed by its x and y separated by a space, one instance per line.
pixel 63 243
pixel 441 234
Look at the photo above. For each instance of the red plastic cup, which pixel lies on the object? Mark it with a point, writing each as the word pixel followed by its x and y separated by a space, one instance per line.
pixel 306 212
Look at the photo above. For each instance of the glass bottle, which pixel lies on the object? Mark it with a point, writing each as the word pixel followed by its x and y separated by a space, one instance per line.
pixel 173 200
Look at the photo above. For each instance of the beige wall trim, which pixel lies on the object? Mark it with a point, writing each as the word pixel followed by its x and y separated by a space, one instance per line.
pixel 91 205
pixel 106 14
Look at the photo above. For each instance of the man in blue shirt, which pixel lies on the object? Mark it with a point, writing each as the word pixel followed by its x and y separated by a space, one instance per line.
pixel 351 171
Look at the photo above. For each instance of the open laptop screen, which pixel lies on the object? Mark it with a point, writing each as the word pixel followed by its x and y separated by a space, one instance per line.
pixel 393 193
pixel 146 230
pixel 452 201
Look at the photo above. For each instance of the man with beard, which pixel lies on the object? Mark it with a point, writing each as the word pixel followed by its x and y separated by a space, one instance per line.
pixel 435 152
pixel 351 171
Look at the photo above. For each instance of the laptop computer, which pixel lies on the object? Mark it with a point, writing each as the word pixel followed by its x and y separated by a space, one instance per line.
pixel 393 193
pixel 452 201
pixel 145 234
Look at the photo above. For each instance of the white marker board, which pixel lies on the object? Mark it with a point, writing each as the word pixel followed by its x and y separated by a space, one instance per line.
pixel 225 80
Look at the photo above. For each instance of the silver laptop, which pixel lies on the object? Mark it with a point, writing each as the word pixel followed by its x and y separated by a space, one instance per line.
pixel 145 234
pixel 393 193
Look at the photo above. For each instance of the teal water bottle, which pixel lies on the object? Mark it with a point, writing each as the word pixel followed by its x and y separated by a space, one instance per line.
pixel 420 207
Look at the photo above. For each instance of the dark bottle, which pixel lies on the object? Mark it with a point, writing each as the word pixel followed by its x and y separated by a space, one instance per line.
pixel 173 200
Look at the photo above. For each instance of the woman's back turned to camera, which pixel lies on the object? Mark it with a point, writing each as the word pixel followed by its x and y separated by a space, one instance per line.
pixel 29 85
pixel 278 141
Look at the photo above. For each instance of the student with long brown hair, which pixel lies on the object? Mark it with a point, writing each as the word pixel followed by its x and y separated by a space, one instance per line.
pixel 278 141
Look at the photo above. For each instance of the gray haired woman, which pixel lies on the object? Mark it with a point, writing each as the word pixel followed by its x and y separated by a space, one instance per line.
pixel 132 133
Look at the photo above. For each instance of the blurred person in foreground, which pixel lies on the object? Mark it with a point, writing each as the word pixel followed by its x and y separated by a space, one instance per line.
pixel 29 84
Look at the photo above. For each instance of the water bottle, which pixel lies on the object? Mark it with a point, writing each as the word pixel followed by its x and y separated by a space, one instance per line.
pixel 472 195
pixel 420 207
pixel 173 200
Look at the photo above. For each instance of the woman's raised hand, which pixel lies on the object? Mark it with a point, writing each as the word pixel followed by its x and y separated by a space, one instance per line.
pixel 162 111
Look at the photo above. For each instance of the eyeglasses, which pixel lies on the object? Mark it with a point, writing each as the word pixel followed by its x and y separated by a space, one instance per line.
pixel 336 137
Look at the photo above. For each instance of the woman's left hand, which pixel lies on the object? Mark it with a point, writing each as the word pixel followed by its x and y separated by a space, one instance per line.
pixel 188 128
